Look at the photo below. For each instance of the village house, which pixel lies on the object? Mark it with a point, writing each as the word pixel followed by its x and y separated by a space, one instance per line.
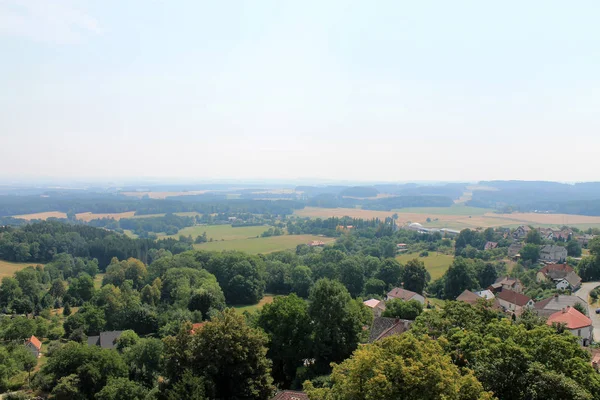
pixel 383 327
pixel 564 235
pixel 595 358
pixel 468 297
pixel 521 232
pixel 34 345
pixel 552 272
pixel 514 249
pixel 486 294
pixel 578 324
pixel 553 253
pixel 401 247
pixel 551 305
pixel 513 301
pixel 490 245
pixel 563 276
pixel 584 240
pixel 290 395
pixel 506 282
pixel 473 297
pixel 572 282
pixel 316 243
pixel 406 295
pixel 377 306
pixel 106 340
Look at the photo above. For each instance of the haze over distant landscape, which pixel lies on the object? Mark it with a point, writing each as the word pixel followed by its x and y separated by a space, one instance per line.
pixel 392 91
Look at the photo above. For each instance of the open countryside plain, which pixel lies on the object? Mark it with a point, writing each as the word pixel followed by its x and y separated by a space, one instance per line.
pixel 457 217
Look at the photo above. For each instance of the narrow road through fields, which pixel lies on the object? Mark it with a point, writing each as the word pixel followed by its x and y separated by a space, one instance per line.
pixel 584 293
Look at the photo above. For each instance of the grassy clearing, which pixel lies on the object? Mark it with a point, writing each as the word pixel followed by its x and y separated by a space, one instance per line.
pixel 222 232
pixel 436 264
pixel 9 268
pixel 129 233
pixel 438 303
pixel 255 307
pixel 262 245
pixel 98 280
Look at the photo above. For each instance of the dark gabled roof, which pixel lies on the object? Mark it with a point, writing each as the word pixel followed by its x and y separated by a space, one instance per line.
pixel 513 297
pixel 399 327
pixel 384 327
pixel 106 340
pixel 380 325
pixel 93 340
pixel 290 395
pixel 573 279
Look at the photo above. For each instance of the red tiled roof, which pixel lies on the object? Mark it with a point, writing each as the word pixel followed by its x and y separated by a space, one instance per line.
pixel 571 317
pixel 556 267
pixel 290 395
pixel 35 341
pixel 513 297
pixel 196 327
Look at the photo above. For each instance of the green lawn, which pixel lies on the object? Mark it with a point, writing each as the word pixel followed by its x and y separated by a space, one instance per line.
pixel 8 268
pixel 457 209
pixel 262 245
pixel 222 232
pixel 255 307
pixel 98 280
pixel 436 264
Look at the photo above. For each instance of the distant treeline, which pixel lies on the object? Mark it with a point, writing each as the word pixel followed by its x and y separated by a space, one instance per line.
pixel 210 203
pixel 580 198
pixel 40 242
pixel 452 190
pixel 335 226
pixel 70 203
pixel 170 224
pixel 382 204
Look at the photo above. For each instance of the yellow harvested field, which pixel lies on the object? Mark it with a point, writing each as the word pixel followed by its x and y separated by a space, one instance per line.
pixel 42 215
pixel 88 216
pixel 8 268
pixel 163 195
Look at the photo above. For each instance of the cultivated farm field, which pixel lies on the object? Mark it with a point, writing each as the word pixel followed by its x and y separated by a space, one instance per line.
pixel 8 268
pixel 88 216
pixel 43 215
pixel 262 245
pixel 222 232
pixel 457 217
pixel 436 264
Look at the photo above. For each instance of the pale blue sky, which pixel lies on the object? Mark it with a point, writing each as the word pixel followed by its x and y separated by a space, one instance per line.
pixel 370 90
